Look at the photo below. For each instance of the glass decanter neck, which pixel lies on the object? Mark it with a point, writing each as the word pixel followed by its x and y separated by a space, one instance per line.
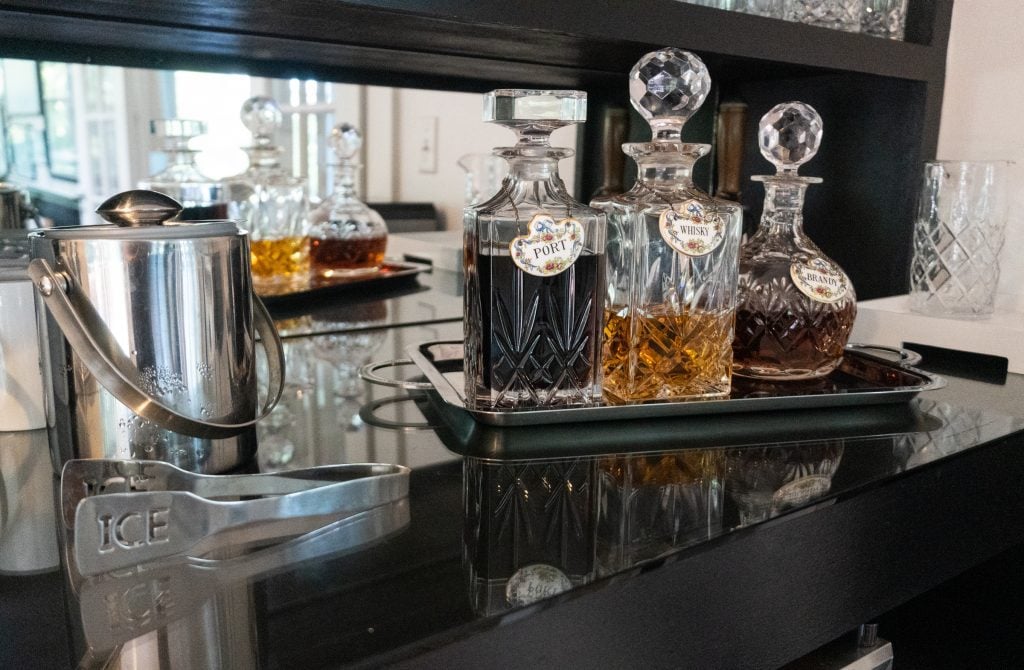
pixel 783 205
pixel 532 162
pixel 345 182
pixel 264 156
pixel 665 162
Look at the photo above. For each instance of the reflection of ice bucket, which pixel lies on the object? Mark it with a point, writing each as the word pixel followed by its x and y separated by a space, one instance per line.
pixel 150 337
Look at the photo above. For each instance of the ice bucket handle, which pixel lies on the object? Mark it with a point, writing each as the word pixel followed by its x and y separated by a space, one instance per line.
pixel 90 338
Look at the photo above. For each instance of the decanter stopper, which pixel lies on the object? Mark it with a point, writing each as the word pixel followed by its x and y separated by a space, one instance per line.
pixel 789 136
pixel 534 114
pixel 346 142
pixel 174 134
pixel 666 87
pixel 262 117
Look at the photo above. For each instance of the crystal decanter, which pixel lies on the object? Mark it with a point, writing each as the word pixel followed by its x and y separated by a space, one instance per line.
pixel 672 252
pixel 201 197
pixel 534 269
pixel 347 238
pixel 272 203
pixel 796 305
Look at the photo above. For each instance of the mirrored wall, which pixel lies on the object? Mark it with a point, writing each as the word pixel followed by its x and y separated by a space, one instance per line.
pixel 74 134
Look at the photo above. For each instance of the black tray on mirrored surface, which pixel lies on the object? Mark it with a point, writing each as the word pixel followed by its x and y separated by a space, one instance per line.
pixel 868 375
pixel 391 276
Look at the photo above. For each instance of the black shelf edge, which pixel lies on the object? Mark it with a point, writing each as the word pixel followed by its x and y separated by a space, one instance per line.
pixel 445 41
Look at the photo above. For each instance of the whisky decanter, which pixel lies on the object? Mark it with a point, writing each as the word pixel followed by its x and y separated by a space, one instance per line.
pixel 201 197
pixel 534 269
pixel 347 238
pixel 272 203
pixel 672 252
pixel 796 305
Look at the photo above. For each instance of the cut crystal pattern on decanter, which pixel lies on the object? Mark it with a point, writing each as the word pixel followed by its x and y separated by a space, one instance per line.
pixel 672 250
pixel 835 14
pixel 534 270
pixel 523 514
pixel 796 306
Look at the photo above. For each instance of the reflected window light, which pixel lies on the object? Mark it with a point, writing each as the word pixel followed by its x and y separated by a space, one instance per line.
pixel 216 99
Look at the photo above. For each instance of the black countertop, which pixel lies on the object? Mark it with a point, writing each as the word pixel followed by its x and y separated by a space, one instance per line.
pixel 744 550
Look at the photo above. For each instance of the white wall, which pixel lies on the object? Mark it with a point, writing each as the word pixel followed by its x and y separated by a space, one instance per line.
pixel 983 107
pixel 397 175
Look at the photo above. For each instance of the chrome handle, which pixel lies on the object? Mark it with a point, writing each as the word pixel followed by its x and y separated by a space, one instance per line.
pixel 90 338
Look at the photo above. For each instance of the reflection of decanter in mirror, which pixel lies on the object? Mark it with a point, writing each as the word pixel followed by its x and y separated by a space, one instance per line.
pixel 529 529
pixel 672 249
pixel 272 205
pixel 764 482
pixel 534 269
pixel 357 335
pixel 347 238
pixel 201 197
pixel 796 305
pixel 651 504
pixel 484 174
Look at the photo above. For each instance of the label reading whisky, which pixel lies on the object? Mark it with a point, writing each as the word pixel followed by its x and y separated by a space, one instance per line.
pixel 550 247
pixel 692 230
pixel 820 280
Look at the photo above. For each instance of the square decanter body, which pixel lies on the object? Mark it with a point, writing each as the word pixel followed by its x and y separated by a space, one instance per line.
pixel 671 299
pixel 532 341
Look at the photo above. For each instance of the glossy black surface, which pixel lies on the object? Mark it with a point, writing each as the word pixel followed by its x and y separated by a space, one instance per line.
pixel 637 503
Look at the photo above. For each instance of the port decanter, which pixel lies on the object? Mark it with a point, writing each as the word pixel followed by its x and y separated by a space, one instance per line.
pixel 534 269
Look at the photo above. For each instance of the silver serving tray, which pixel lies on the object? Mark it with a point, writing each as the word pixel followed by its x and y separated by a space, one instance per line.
pixel 868 375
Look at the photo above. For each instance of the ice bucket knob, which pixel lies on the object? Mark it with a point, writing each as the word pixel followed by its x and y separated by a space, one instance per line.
pixel 139 208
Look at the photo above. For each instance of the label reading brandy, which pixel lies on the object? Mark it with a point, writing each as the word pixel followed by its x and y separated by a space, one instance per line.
pixel 691 229
pixel 535 582
pixel 820 280
pixel 550 247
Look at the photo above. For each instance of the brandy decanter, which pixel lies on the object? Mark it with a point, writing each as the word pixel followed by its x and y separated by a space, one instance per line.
pixel 672 252
pixel 201 197
pixel 347 238
pixel 796 305
pixel 272 203
pixel 534 269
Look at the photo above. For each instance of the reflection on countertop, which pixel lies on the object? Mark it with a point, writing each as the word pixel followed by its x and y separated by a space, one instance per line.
pixel 498 519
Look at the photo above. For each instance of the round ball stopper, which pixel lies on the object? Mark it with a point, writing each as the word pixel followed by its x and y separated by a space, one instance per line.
pixel 346 140
pixel 790 135
pixel 261 116
pixel 667 86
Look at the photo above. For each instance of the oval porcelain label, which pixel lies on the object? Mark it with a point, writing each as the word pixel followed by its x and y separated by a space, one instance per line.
pixel 550 247
pixel 535 582
pixel 692 230
pixel 820 280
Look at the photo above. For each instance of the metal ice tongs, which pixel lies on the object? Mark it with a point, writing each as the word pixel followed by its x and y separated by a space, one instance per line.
pixel 130 512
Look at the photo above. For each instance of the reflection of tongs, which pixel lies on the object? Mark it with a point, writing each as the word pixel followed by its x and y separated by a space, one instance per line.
pixel 122 606
pixel 169 512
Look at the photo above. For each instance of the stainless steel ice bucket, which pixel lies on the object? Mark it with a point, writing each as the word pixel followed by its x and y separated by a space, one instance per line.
pixel 149 337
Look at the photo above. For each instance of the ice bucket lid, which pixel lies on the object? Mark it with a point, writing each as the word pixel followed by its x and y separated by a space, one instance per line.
pixel 142 215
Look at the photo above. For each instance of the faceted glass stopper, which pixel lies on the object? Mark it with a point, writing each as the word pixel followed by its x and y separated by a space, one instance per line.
pixel 262 117
pixel 346 141
pixel 790 135
pixel 667 86
pixel 535 112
